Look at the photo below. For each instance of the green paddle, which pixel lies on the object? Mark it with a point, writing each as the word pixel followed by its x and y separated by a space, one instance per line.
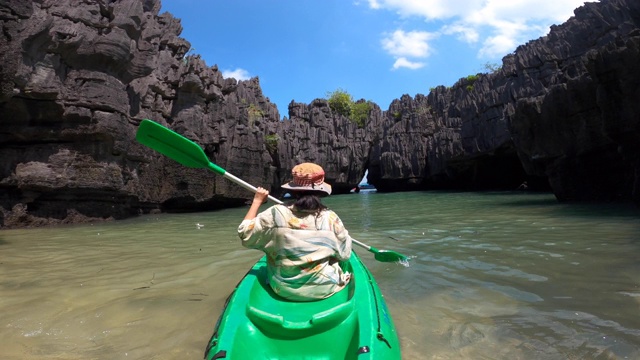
pixel 190 154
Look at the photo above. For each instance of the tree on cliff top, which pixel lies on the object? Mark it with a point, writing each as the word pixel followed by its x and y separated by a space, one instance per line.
pixel 341 102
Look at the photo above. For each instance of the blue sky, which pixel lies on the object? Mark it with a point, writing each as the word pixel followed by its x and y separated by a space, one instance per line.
pixel 375 50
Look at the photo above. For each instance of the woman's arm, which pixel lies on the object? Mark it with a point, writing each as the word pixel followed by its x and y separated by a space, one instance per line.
pixel 258 199
pixel 252 230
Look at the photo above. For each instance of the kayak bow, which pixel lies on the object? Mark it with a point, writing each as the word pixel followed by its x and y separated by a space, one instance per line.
pixel 351 324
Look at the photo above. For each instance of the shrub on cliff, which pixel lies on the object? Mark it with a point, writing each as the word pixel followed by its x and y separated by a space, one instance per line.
pixel 360 112
pixel 341 102
pixel 271 141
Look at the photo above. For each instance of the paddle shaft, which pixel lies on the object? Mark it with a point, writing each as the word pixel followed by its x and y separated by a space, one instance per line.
pixel 246 185
pixel 361 244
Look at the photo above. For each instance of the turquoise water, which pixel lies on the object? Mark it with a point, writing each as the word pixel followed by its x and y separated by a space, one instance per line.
pixel 492 276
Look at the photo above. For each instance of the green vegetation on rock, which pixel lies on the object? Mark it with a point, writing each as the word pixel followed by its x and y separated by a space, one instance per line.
pixel 271 141
pixel 255 113
pixel 341 102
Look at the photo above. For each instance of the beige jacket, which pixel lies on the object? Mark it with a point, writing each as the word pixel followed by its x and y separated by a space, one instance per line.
pixel 302 251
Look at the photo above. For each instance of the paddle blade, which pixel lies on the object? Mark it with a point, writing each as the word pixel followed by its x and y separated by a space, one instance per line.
pixel 173 145
pixel 390 256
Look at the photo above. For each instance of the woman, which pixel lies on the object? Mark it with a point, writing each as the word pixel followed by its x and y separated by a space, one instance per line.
pixel 304 242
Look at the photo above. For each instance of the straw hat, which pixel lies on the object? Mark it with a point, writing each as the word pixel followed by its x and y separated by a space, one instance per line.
pixel 308 177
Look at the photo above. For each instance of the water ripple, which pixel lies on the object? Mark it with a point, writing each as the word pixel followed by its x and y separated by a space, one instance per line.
pixel 491 276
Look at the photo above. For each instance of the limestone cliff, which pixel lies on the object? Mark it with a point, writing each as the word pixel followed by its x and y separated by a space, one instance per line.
pixel 562 109
pixel 76 79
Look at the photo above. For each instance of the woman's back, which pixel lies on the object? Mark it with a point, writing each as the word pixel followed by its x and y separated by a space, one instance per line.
pixel 303 250
pixel 304 242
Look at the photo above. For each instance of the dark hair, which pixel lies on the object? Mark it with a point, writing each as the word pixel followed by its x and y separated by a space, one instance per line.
pixel 308 201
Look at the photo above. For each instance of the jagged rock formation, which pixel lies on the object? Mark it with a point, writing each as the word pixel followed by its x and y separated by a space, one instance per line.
pixel 444 141
pixel 328 139
pixel 76 78
pixel 563 106
pixel 576 127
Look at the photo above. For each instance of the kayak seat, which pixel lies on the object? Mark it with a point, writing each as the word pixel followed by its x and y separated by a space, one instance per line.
pixel 286 319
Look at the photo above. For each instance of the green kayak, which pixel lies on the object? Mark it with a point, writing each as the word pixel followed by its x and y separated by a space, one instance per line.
pixel 352 324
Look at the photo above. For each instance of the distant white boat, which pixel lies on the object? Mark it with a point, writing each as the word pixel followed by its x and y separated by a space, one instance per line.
pixel 363 187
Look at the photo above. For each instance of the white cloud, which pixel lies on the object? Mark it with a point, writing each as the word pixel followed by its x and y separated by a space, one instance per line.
pixel 499 25
pixel 374 4
pixel 412 43
pixel 402 62
pixel 238 74
pixel 495 46
pixel 430 10
pixel 504 39
pixel 464 33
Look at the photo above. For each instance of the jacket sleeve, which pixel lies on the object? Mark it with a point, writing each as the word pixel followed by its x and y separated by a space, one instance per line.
pixel 254 234
pixel 344 240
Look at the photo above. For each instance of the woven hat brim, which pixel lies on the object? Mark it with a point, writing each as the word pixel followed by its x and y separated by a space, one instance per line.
pixel 324 187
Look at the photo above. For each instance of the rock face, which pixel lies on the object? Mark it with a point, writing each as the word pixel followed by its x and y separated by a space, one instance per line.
pixel 562 112
pixel 576 128
pixel 76 79
pixel 338 144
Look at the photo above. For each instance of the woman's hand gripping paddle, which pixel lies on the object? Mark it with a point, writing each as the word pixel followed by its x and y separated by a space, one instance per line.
pixel 190 154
